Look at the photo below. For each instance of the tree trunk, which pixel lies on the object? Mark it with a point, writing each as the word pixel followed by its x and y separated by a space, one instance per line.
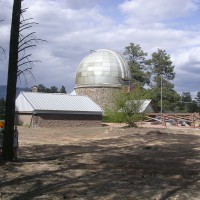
pixel 11 83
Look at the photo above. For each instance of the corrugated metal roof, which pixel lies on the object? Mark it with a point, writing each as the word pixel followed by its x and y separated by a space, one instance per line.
pixel 144 105
pixel 55 102
pixel 73 92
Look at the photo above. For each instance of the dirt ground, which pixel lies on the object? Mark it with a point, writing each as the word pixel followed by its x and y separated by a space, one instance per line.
pixel 104 163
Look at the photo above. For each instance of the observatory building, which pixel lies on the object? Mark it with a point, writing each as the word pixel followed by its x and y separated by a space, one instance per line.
pixel 100 74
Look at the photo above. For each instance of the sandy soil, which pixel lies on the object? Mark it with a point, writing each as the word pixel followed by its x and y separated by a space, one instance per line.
pixel 104 163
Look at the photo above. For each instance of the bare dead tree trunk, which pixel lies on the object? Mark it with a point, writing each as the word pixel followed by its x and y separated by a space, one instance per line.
pixel 11 83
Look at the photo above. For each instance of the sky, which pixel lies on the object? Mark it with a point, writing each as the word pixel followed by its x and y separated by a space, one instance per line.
pixel 74 27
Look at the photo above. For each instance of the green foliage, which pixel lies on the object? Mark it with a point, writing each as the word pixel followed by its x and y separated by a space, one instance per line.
pixel 62 89
pixel 138 64
pixel 149 71
pixel 169 97
pixel 193 107
pixel 197 98
pixel 162 73
pixel 126 107
pixel 41 88
pixel 197 102
pixel 161 66
pixel 186 97
pixel 186 104
pixel 52 89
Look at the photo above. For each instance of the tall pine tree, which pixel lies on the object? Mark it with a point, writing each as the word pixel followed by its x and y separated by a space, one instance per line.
pixel 137 62
pixel 162 72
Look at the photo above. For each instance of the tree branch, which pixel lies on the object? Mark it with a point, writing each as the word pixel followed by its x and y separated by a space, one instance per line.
pixel 30 23
pixel 25 28
pixel 28 62
pixel 30 34
pixel 24 10
pixel 26 42
pixel 25 57
pixel 33 45
pixel 3 51
pixel 30 40
pixel 23 72
pixel 24 20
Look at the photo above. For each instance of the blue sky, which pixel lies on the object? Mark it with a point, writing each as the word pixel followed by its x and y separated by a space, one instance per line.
pixel 74 27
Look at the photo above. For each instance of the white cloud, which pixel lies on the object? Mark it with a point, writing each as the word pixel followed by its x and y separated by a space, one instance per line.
pixel 72 28
pixel 157 10
pixel 194 56
pixel 188 57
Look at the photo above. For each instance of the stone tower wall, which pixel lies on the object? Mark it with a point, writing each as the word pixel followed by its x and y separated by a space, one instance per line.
pixel 101 95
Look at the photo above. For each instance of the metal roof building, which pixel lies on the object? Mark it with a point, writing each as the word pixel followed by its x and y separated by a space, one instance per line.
pixel 145 106
pixel 56 109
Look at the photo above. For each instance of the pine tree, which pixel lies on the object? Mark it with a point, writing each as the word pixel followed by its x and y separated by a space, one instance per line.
pixel 162 73
pixel 137 62
pixel 197 99
pixel 62 89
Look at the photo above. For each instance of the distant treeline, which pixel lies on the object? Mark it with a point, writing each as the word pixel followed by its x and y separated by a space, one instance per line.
pixel 52 89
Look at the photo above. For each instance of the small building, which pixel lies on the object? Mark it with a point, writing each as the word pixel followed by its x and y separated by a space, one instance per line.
pixel 139 106
pixel 56 110
pixel 147 106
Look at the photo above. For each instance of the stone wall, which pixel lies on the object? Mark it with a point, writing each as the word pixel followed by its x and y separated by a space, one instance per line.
pixel 56 120
pixel 102 95
pixel 23 119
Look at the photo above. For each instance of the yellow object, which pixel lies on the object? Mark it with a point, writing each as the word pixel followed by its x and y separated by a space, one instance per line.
pixel 2 124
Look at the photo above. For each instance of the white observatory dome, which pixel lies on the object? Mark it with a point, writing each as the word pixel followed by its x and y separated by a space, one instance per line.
pixel 101 68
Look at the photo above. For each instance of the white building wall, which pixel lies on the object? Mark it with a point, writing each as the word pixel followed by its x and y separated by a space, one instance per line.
pixel 21 104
